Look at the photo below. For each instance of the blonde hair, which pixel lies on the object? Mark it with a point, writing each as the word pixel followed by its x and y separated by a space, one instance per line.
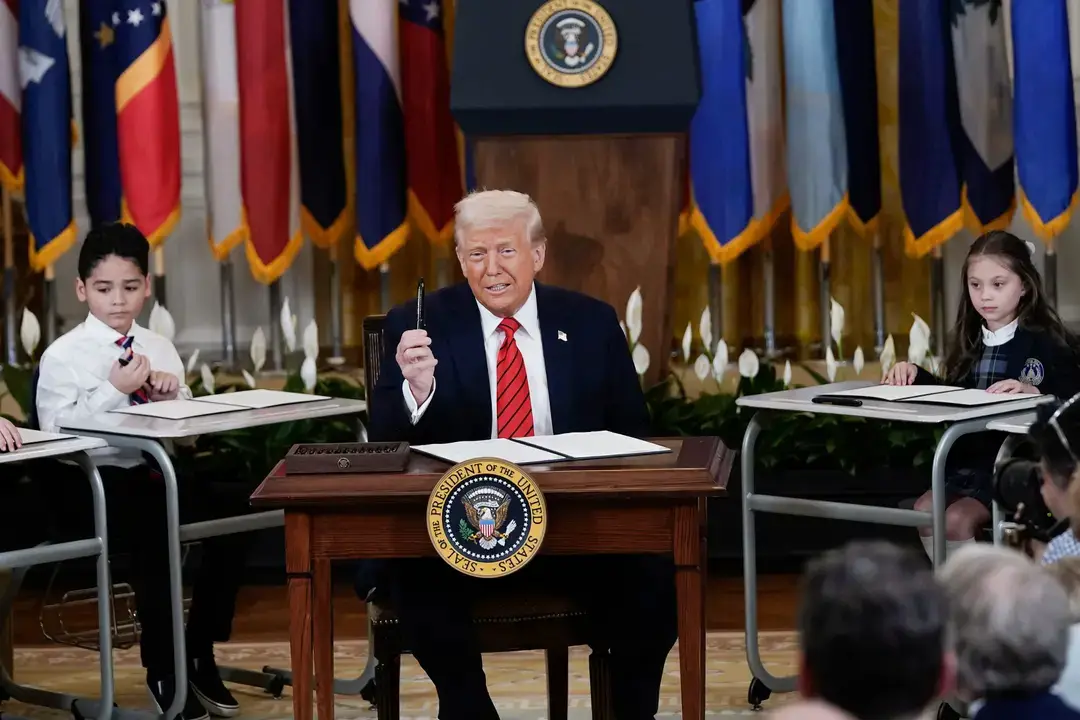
pixel 1067 572
pixel 493 208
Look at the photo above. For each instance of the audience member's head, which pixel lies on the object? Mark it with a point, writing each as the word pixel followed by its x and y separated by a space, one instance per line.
pixel 1067 572
pixel 809 710
pixel 873 626
pixel 1010 621
pixel 1056 435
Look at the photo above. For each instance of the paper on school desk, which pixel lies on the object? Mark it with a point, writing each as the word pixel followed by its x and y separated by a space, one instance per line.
pixel 260 398
pixel 30 437
pixel 592 445
pixel 971 398
pixel 503 449
pixel 895 392
pixel 177 409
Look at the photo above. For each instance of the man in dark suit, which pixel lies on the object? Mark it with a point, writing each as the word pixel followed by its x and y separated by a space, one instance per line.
pixel 505 356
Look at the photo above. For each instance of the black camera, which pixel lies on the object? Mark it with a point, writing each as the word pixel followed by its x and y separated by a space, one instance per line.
pixel 1017 483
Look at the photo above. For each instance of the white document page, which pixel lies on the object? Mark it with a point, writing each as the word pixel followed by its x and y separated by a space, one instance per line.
pixel 894 392
pixel 971 398
pixel 591 445
pixel 177 409
pixel 259 398
pixel 503 449
pixel 29 437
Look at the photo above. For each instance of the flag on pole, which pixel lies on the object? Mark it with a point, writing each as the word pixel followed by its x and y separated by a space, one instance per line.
pixel 98 23
pixel 984 92
pixel 10 97
pixel 221 123
pixel 316 75
pixel 1045 115
pixel 381 225
pixel 930 136
pixel 857 64
pixel 817 154
pixel 46 120
pixel 268 167
pixel 737 183
pixel 431 150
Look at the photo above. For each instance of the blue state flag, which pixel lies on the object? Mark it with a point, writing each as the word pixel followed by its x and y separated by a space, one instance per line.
pixel 46 130
pixel 930 135
pixel 98 20
pixel 817 155
pixel 1045 115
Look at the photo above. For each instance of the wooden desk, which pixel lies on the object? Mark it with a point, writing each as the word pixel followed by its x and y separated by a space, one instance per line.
pixel 650 504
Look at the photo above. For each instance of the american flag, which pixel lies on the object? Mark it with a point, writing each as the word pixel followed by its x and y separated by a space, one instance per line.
pixel 10 97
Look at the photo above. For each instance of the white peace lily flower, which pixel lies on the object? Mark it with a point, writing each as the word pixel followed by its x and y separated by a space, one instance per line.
pixel 258 349
pixel 633 315
pixel 687 339
pixel 248 378
pixel 192 362
pixel 309 373
pixel 311 340
pixel 702 367
pixel 888 356
pixel 858 361
pixel 705 327
pixel 640 356
pixel 749 365
pixel 288 326
pixel 720 360
pixel 787 373
pixel 29 332
pixel 918 340
pixel 830 364
pixel 836 320
pixel 207 378
pixel 161 322
pixel 623 326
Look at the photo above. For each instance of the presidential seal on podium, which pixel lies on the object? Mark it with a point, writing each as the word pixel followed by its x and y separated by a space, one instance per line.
pixel 486 518
pixel 571 43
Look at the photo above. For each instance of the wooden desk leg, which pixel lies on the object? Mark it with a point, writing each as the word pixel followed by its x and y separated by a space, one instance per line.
pixel 323 638
pixel 690 592
pixel 298 567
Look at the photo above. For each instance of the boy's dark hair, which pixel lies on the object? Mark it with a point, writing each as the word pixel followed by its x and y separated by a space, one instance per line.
pixel 873 621
pixel 120 239
pixel 1034 312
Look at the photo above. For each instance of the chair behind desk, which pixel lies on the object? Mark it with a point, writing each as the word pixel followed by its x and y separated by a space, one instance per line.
pixel 504 623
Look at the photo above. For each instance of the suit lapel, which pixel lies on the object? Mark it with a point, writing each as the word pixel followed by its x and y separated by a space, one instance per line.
pixel 466 341
pixel 557 357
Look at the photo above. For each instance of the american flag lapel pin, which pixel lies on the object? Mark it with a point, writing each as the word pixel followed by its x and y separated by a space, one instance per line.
pixel 562 336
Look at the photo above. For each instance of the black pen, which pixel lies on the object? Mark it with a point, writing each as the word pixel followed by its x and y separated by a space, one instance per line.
pixel 420 304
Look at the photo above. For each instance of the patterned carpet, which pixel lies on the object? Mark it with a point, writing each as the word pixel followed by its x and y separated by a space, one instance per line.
pixel 516 680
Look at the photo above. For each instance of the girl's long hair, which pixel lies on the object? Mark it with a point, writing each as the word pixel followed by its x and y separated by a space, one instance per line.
pixel 1034 313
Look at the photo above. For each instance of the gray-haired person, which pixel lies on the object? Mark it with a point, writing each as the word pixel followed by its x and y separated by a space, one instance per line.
pixel 1011 623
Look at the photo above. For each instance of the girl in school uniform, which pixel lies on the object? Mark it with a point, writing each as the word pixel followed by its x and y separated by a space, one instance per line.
pixel 1007 339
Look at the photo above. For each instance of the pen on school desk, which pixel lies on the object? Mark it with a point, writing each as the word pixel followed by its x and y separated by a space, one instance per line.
pixel 420 304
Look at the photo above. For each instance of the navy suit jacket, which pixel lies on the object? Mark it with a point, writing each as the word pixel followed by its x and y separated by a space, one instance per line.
pixel 1038 706
pixel 592 384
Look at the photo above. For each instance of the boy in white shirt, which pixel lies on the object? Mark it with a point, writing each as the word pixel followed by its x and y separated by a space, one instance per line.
pixel 110 361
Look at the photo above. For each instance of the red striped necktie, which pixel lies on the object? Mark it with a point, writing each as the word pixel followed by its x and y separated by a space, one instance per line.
pixel 513 405
pixel 139 396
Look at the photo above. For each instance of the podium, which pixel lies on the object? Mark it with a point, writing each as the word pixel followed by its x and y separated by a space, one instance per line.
pixel 645 504
pixel 597 137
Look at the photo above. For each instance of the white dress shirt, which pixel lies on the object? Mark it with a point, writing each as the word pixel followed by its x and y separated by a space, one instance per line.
pixel 73 381
pixel 993 338
pixel 532 353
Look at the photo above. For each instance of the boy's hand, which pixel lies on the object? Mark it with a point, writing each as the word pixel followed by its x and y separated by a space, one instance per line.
pixel 10 439
pixel 162 386
pixel 902 373
pixel 129 378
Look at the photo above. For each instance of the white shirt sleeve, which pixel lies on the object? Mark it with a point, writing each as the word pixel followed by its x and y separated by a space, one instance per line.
pixel 415 413
pixel 60 397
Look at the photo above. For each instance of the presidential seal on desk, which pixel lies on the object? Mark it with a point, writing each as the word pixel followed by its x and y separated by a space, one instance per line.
pixel 571 43
pixel 486 517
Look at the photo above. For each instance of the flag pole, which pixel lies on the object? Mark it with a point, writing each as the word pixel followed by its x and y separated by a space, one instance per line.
pixel 769 288
pixel 159 275
pixel 275 325
pixel 937 299
pixel 228 315
pixel 716 301
pixel 384 287
pixel 336 325
pixel 825 290
pixel 10 347
pixel 877 270
pixel 50 304
pixel 1050 273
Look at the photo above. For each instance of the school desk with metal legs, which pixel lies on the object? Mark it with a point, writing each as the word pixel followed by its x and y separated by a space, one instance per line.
pixel 74 449
pixel 148 434
pixel 960 420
